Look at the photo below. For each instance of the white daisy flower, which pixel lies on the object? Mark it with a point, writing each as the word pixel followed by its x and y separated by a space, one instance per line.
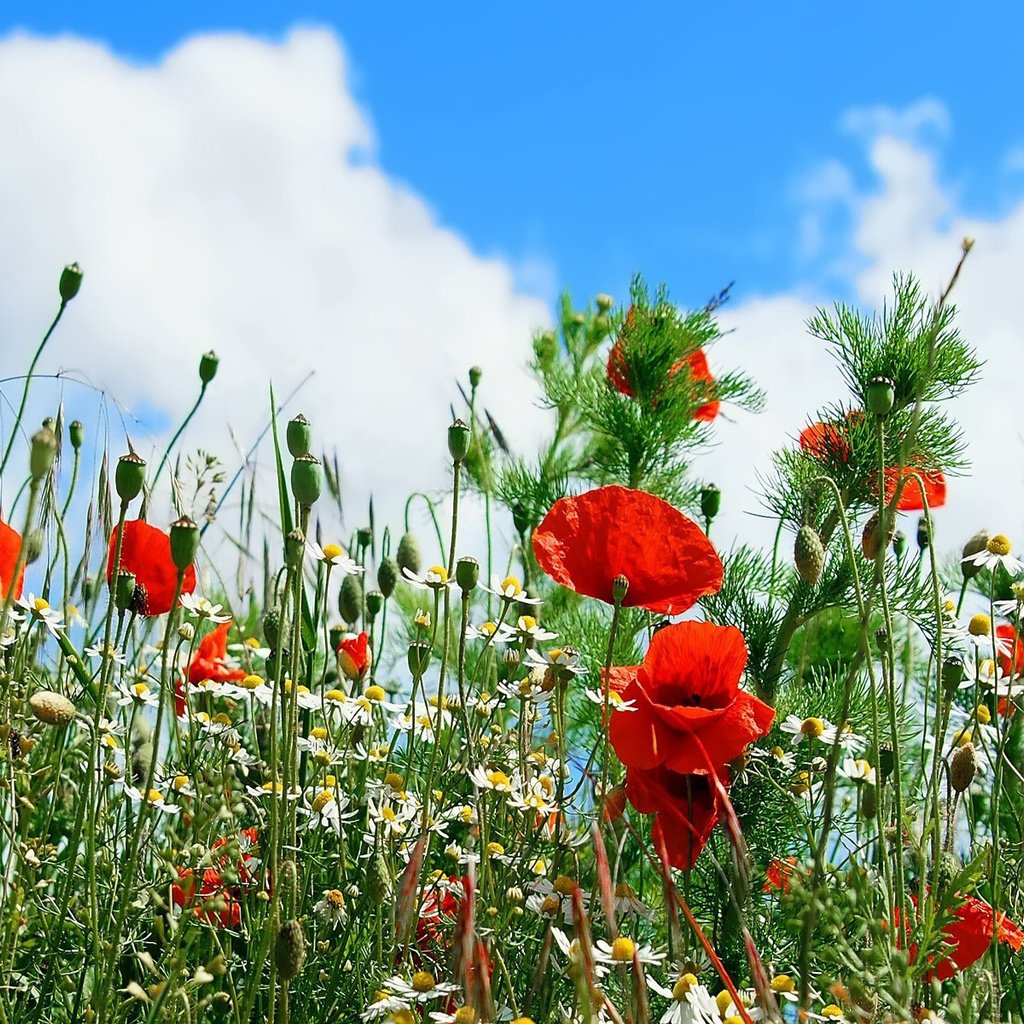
pixel 857 770
pixel 110 652
pixel 422 987
pixel 995 553
pixel 615 701
pixel 335 556
pixel 623 950
pixel 435 578
pixel 491 778
pixel 137 693
pixel 528 628
pixel 692 1003
pixel 496 633
pixel 809 728
pixel 564 659
pixel 201 608
pixel 39 610
pixel 331 909
pixel 511 590
pixel 153 797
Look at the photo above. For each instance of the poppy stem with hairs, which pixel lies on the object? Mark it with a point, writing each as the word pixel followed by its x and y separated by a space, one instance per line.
pixel 620 586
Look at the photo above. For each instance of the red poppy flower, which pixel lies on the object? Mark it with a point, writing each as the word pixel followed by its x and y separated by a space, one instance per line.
pixel 685 809
pixel 584 542
pixel 691 715
pixel 824 441
pixel 354 656
pixel 618 376
pixel 10 548
pixel 183 893
pixel 1015 643
pixel 777 875
pixel 146 552
pixel 210 659
pixel 910 496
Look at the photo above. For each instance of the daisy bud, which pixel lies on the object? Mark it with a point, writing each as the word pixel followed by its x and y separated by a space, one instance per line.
pixel 475 373
pixel 818 764
pixel 307 480
pixel 979 542
pixel 886 760
pixel 187 632
pixel 70 282
pixel 418 657
pixel 604 302
pixel 899 544
pixel 124 590
pixel 51 708
pixel 272 628
pixel 881 638
pixel 374 602
pixel 290 950
pixel 710 502
pixel 33 546
pixel 76 431
pixel 952 673
pixel 42 452
pixel 408 554
pixel 387 576
pixel 299 436
pixel 184 542
pixel 350 598
pixel 208 364
pixel 963 768
pixel 924 533
pixel 129 476
pixel 458 440
pixel 364 536
pixel 880 396
pixel 809 555
pixel 294 546
pixel 467 573
pixel 620 586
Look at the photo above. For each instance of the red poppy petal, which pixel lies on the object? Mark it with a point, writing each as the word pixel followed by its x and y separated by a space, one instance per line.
pixel 697 664
pixel 1016 643
pixel 586 541
pixel 146 552
pixel 10 548
pixel 910 496
pixel 744 721
pixel 637 737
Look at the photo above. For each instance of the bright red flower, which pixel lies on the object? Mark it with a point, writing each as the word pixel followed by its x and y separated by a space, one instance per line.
pixel 691 715
pixel 146 552
pixel 777 875
pixel 354 656
pixel 183 893
pixel 697 362
pixel 210 659
pixel 10 548
pixel 1015 643
pixel 910 496
pixel 584 542
pixel 824 441
pixel 685 809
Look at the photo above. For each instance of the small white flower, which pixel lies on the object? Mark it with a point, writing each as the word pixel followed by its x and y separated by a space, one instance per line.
pixel 511 590
pixel 435 578
pixel 498 634
pixel 995 553
pixel 491 778
pixel 138 693
pixel 623 951
pixel 857 770
pixel 615 701
pixel 336 557
pixel 39 610
pixel 331 909
pixel 809 728
pixel 154 798
pixel 528 628
pixel 565 659
pixel 421 988
pixel 201 608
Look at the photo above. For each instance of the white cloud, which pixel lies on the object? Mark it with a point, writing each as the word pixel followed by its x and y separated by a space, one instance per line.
pixel 214 202
pixel 926 115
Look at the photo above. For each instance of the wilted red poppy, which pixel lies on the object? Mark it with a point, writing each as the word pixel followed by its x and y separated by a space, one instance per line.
pixel 10 548
pixel 910 496
pixel 354 656
pixel 584 542
pixel 685 809
pixel 146 552
pixel 690 713
pixel 824 441
pixel 1015 645
pixel 210 659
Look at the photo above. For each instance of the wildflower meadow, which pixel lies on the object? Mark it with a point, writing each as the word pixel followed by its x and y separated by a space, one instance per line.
pixel 548 749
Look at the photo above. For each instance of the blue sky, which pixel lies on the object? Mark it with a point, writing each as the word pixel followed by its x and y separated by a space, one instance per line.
pixel 606 138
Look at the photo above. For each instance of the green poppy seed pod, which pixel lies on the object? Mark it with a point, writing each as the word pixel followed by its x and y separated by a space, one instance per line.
pixel 208 364
pixel 458 440
pixel 124 590
pixel 350 598
pixel 307 479
pixel 374 602
pixel 76 431
pixel 51 708
pixel 387 576
pixel 70 282
pixel 364 536
pixel 881 638
pixel 604 302
pixel 336 634
pixel 620 586
pixel 299 436
pixel 880 396
pixel 963 768
pixel 290 950
pixel 924 533
pixel 42 452
pixel 294 547
pixel 467 573
pixel 952 673
pixel 475 373
pixel 976 544
pixel 408 554
pixel 886 760
pixel 520 520
pixel 272 628
pixel 184 542
pixel 418 657
pixel 871 541
pixel 710 502
pixel 129 476
pixel 33 546
pixel 899 544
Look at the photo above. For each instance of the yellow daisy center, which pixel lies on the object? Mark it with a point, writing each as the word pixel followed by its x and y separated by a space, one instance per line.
pixel 318 732
pixel 564 885
pixel 496 849
pixel 252 643
pixel 140 689
pixel 510 583
pixel 332 551
pixel 681 989
pixel 984 715
pixel 497 778
pixel 831 1011
pixel 623 949
pixel 783 983
pixel 465 1015
pixel 812 727
pixel 322 799
pixel 374 693
pixel 180 782
pixel 527 622
pixel 962 737
pixel 980 625
pixel 723 1001
pixel 154 796
pixel 423 981
pixel 251 682
pixel 335 897
pixel 41 605
pixel 550 904
pixel 439 573
pixel 336 695
pixel 394 781
pixel 999 544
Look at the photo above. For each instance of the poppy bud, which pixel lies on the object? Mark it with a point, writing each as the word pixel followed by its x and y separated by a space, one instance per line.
pixel 374 602
pixel 272 627
pixel 545 349
pixel 70 282
pixel 299 436
pixel 871 539
pixel 418 657
pixel 76 431
pixel 89 587
pixel 620 585
pixel 963 768
pixel 475 373
pixel 350 598
pixel 307 479
pixel 710 502
pixel 294 547
pixel 184 542
pixel 952 674
pixel 520 520
pixel 124 590
pixel 208 364
pixel 51 708
pixel 977 543
pixel 364 536
pixel 924 533
pixel 614 803
pixel 290 950
pixel 129 476
pixel 899 544
pixel 880 396
pixel 809 555
pixel 387 576
pixel 33 546
pixel 458 440
pixel 467 573
pixel 886 760
pixel 408 554
pixel 869 802
pixel 42 452
pixel 604 302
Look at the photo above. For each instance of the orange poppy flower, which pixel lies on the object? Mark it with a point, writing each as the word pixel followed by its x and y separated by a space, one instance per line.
pixel 10 548
pixel 690 713
pixel 146 552
pixel 585 542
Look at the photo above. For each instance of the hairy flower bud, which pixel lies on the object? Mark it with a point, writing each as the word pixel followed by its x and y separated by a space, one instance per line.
pixel 408 554
pixel 129 476
pixel 299 436
pixel 475 374
pixel 963 768
pixel 294 547
pixel 70 282
pixel 51 708
pixel 620 587
pixel 924 533
pixel 977 543
pixel 899 545
pixel 387 576
pixel 952 673
pixel 871 542
pixel 809 555
pixel 604 302
pixel 290 950
pixel 42 452
pixel 34 541
pixel 350 598
pixel 272 628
